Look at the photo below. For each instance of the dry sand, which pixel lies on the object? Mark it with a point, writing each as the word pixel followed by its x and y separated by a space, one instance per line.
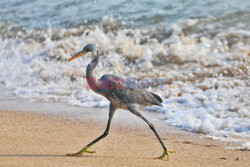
pixel 31 139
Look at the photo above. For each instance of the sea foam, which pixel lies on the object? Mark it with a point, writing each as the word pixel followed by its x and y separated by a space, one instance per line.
pixel 205 71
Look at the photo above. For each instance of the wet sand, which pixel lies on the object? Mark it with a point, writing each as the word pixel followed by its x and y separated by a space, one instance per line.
pixel 38 139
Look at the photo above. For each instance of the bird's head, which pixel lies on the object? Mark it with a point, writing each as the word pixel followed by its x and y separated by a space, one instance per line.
pixel 90 48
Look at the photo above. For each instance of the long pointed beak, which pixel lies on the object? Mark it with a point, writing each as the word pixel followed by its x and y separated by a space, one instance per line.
pixel 79 54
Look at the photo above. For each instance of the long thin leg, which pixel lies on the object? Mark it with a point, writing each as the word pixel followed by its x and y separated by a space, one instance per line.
pixel 112 109
pixel 133 109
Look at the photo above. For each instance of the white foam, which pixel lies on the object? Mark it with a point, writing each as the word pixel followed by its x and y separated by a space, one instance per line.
pixel 207 80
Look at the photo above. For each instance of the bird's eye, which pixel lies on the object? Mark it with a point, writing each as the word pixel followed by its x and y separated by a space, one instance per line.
pixel 89 49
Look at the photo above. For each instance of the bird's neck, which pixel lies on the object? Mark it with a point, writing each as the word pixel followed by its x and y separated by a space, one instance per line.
pixel 92 81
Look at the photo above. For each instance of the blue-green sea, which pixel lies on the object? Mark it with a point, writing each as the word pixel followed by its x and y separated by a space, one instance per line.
pixel 144 13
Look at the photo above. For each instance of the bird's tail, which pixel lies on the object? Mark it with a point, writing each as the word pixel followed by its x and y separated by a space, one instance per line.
pixel 158 98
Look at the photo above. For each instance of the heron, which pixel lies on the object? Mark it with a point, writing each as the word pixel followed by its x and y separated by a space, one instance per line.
pixel 120 96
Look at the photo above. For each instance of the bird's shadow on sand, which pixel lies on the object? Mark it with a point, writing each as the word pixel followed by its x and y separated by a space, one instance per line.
pixel 61 156
pixel 41 155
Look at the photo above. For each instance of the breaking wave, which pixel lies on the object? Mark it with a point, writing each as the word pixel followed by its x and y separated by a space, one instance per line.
pixel 204 66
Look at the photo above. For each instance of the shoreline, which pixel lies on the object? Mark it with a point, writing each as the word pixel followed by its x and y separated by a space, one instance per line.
pixel 29 138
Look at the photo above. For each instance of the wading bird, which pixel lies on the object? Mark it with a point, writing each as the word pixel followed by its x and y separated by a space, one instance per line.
pixel 119 95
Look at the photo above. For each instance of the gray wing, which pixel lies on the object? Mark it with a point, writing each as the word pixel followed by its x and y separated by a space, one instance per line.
pixel 127 94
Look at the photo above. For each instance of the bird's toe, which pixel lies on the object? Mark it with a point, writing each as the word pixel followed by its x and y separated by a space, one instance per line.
pixel 91 152
pixel 75 154
pixel 165 153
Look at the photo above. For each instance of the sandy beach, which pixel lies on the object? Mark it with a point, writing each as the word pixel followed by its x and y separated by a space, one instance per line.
pixel 37 139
